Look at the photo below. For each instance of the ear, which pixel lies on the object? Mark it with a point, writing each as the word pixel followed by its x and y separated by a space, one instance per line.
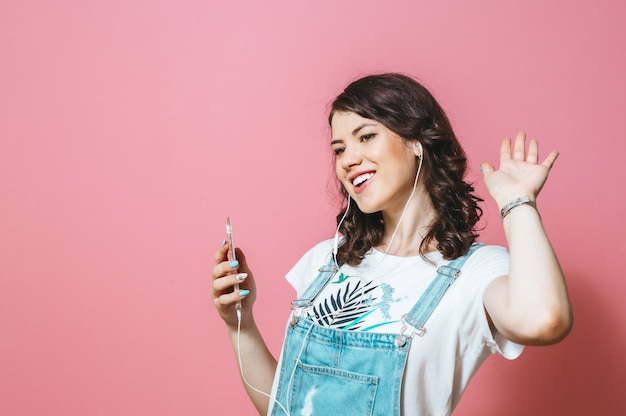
pixel 418 149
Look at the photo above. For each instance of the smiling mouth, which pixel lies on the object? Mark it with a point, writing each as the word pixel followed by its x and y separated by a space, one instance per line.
pixel 362 178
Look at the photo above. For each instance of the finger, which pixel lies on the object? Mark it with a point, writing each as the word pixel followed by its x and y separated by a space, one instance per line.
pixel 228 281
pixel 241 257
pixel 519 149
pixel 487 169
pixel 224 268
pixel 224 287
pixel 221 254
pixel 533 152
pixel 505 149
pixel 549 161
pixel 231 298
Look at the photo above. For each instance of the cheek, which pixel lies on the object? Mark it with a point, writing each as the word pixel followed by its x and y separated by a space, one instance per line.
pixel 340 174
pixel 338 169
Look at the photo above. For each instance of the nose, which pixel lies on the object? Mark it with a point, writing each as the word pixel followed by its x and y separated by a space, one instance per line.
pixel 351 157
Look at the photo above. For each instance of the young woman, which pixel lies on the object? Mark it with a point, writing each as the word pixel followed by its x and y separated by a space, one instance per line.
pixel 397 312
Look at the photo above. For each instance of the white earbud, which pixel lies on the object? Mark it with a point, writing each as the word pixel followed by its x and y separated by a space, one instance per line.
pixel 418 144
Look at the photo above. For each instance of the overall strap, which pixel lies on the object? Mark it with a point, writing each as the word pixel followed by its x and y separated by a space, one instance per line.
pixel 446 275
pixel 325 274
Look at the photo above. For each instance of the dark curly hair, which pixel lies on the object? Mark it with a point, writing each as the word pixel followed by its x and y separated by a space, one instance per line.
pixel 407 108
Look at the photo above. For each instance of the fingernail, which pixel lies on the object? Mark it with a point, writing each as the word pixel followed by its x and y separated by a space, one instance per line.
pixel 244 293
pixel 233 264
pixel 223 243
pixel 242 276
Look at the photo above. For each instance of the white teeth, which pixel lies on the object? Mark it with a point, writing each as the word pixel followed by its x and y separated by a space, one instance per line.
pixel 361 178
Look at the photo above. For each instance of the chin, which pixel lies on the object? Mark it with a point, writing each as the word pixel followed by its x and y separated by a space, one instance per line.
pixel 369 211
pixel 367 208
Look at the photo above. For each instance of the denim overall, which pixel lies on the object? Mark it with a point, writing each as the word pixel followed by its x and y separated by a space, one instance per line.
pixel 327 371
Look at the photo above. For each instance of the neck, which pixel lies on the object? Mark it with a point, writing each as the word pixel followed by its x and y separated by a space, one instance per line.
pixel 410 228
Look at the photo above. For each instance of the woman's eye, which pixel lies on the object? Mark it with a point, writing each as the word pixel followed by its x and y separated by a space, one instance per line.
pixel 367 137
pixel 338 150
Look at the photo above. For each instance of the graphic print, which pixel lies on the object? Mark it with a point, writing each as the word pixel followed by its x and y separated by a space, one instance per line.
pixel 350 303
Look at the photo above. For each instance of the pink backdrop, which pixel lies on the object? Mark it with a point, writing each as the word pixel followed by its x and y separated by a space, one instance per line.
pixel 130 129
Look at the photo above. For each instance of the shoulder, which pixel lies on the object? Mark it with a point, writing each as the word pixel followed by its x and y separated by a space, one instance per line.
pixel 488 257
pixel 486 264
pixel 306 269
pixel 320 254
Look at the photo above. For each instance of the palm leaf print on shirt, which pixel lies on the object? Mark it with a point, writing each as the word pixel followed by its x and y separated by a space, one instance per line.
pixel 344 308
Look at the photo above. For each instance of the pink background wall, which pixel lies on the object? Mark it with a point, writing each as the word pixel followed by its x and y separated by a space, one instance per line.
pixel 130 129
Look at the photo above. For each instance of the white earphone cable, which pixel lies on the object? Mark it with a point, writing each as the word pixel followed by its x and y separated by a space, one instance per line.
pixel 335 249
pixel 417 175
pixel 243 376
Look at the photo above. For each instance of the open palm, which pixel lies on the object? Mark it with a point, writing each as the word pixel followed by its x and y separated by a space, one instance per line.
pixel 519 173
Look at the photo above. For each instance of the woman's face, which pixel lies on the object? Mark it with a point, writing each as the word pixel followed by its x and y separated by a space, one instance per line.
pixel 375 165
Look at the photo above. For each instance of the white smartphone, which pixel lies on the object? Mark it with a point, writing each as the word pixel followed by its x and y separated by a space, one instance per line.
pixel 231 252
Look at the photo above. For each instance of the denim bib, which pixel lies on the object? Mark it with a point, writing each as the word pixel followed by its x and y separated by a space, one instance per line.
pixel 327 371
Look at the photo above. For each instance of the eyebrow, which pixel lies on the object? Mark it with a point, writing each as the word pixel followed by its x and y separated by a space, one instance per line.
pixel 354 132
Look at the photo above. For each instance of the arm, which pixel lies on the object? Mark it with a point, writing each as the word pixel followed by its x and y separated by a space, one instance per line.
pixel 250 350
pixel 529 306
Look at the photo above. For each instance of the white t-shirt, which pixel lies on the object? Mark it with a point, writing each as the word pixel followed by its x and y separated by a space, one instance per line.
pixel 383 288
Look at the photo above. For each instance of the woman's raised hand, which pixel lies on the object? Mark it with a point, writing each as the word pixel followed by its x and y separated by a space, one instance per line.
pixel 227 274
pixel 520 172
